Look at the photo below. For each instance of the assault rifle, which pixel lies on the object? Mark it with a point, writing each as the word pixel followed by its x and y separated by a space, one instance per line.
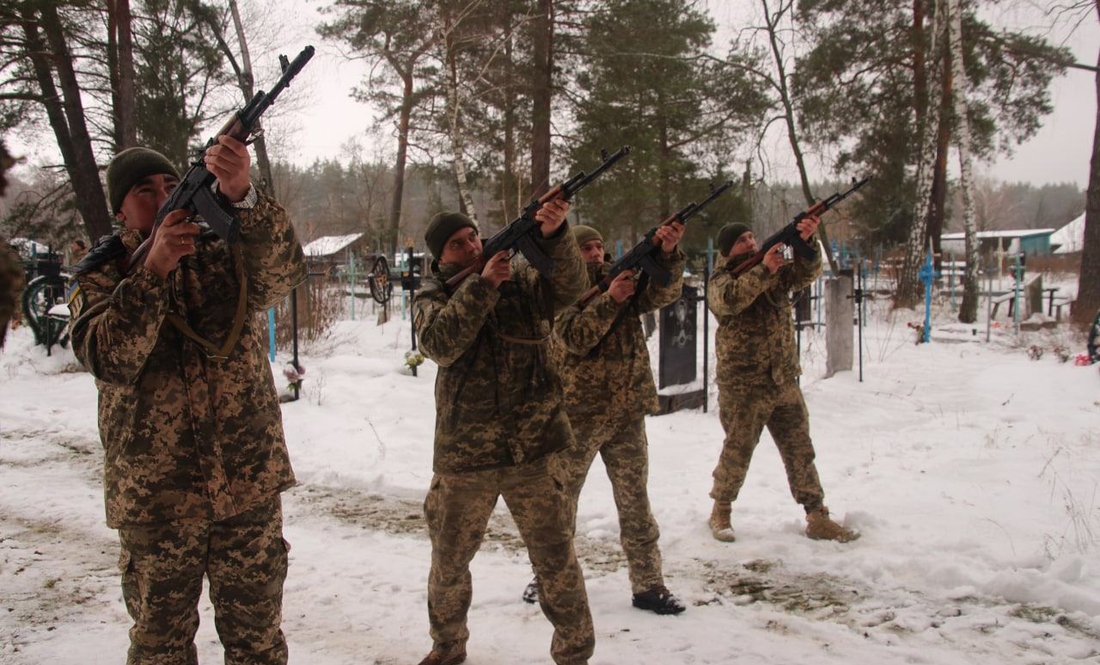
pixel 641 256
pixel 519 234
pixel 193 191
pixel 790 235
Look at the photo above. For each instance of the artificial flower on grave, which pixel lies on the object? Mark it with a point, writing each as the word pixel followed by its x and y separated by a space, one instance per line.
pixel 413 359
pixel 294 375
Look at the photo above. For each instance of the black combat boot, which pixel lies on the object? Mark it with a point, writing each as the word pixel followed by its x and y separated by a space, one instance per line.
pixel 448 653
pixel 658 599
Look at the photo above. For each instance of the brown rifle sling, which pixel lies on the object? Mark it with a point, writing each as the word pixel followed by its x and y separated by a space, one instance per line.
pixel 212 350
pixel 526 341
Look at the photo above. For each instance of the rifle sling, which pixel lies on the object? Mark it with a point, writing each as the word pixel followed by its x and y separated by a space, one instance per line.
pixel 526 341
pixel 212 350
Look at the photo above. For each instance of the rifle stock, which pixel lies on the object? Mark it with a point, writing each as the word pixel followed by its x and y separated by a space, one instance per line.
pixel 641 255
pixel 193 191
pixel 519 234
pixel 789 234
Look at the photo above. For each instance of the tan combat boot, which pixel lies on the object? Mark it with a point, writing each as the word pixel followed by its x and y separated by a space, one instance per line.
pixel 820 527
pixel 720 526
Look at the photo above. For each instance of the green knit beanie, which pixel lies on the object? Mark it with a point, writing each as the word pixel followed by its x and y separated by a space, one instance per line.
pixel 585 234
pixel 729 234
pixel 442 227
pixel 130 166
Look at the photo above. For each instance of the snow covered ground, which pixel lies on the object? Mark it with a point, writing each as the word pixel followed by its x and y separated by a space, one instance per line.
pixel 971 470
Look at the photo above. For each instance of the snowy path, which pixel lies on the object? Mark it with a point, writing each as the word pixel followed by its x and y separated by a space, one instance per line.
pixel 980 523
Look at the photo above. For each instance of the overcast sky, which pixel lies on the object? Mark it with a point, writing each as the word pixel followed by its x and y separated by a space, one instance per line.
pixel 1059 153
pixel 319 116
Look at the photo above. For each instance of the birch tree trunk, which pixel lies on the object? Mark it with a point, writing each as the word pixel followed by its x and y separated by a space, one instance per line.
pixel 908 287
pixel 458 160
pixel 247 83
pixel 968 311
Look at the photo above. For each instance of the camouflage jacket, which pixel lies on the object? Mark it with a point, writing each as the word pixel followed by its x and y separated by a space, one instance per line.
pixel 755 338
pixel 498 398
pixel 185 436
pixel 11 284
pixel 604 362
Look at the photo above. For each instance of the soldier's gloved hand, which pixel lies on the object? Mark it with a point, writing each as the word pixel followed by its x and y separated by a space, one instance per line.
pixel 174 239
pixel 773 258
pixel 622 287
pixel 498 269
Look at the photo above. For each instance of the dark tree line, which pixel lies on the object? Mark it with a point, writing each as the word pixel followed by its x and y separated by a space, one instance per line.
pixel 488 103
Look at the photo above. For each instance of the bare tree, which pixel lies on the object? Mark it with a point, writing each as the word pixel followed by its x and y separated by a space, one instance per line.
pixel 908 293
pixel 243 73
pixel 779 84
pixel 393 40
pixel 50 56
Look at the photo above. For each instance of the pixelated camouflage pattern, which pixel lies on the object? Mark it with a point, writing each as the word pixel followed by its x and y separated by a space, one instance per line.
pixel 457 509
pixel 622 445
pixel 498 401
pixel 605 368
pixel 187 437
pixel 601 349
pixel 11 285
pixel 755 342
pixel 245 558
pixel 745 409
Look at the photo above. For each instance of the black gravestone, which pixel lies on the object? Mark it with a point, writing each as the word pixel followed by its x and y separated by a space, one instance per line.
pixel 678 339
pixel 803 310
pixel 410 276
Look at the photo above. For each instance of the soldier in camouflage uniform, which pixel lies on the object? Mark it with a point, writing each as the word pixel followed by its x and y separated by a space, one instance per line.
pixel 195 458
pixel 609 390
pixel 11 267
pixel 499 416
pixel 757 376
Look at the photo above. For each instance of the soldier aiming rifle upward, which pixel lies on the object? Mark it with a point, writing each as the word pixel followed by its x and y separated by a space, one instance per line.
pixel 641 257
pixel 196 190
pixel 758 365
pixel 791 236
pixel 519 235
pixel 500 419
pixel 195 456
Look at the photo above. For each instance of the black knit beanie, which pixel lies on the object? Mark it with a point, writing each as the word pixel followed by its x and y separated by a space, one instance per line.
pixel 729 234
pixel 443 227
pixel 130 166
pixel 585 234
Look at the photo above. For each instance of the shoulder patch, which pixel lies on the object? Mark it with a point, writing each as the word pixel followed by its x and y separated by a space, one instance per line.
pixel 76 300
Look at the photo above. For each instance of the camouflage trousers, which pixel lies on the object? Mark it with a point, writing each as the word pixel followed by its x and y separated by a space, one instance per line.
pixel 623 447
pixel 245 559
pixel 744 412
pixel 458 507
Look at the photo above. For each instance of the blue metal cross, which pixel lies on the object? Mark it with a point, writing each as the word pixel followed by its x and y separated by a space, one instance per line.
pixel 928 274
